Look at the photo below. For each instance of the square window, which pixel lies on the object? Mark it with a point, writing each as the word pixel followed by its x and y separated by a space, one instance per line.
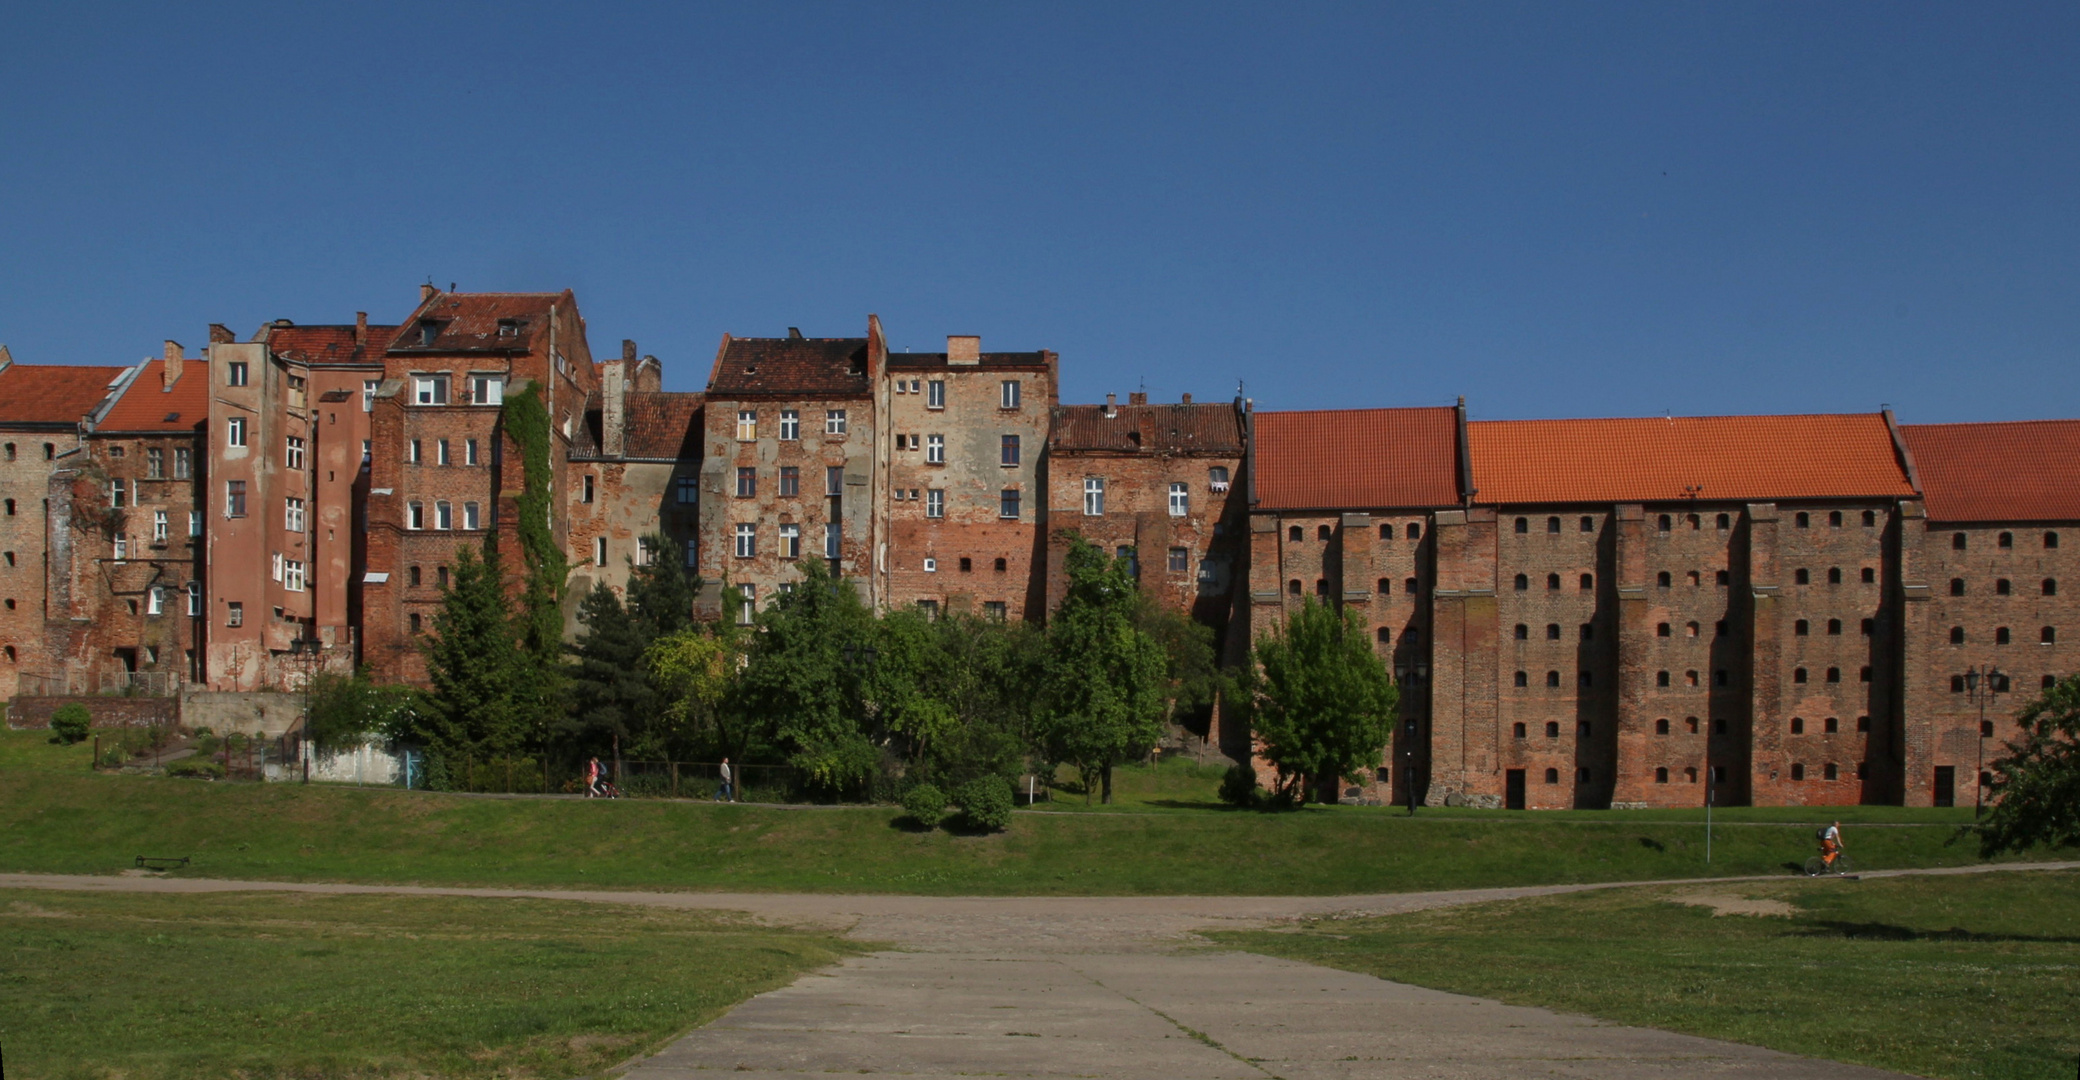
pixel 292 515
pixel 443 515
pixel 1180 560
pixel 440 452
pixel 935 449
pixel 235 614
pixel 586 486
pixel 747 425
pixel 487 389
pixel 430 389
pixel 747 540
pixel 1007 503
pixel 687 487
pixel 790 541
pixel 790 481
pixel 236 373
pixel 599 551
pixel 834 422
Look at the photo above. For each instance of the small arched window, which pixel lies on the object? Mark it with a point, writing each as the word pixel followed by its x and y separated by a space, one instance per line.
pixel 1412 637
pixel 1690 775
pixel 2050 586
pixel 1552 524
pixel 1870 519
pixel 1523 582
pixel 1834 674
pixel 1386 586
pixel 1695 580
pixel 1588 523
pixel 1553 680
pixel 1523 525
pixel 1552 631
pixel 1690 629
pixel 1321 532
pixel 1957 635
pixel 2001 587
pixel 1661 678
pixel 1386 635
pixel 2007 540
pixel 1552 776
pixel 1321 587
pixel 2000 635
pixel 1523 632
pixel 2048 635
pixel 1957 541
pixel 1552 581
pixel 1725 522
pixel 1000 566
pixel 1293 587
pixel 1834 628
pixel 1804 520
pixel 1798 675
pixel 1834 575
pixel 1801 628
pixel 1802 576
pixel 1661 726
pixel 1295 535
pixel 1665 523
pixel 1583 774
pixel 1386 532
pixel 1415 531
pixel 1523 678
pixel 1662 579
pixel 1798 770
pixel 411 576
pixel 1588 631
pixel 1584 679
pixel 1870 575
pixel 1695 522
pixel 1517 728
pixel 1834 519
pixel 1409 586
pixel 1552 730
pixel 1588 581
pixel 1798 725
pixel 1662 630
pixel 1661 775
pixel 2049 682
pixel 1957 586
pixel 2050 538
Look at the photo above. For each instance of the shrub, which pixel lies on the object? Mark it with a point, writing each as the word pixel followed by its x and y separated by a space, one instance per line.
pixel 985 803
pixel 926 805
pixel 1239 786
pixel 71 721
pixel 207 770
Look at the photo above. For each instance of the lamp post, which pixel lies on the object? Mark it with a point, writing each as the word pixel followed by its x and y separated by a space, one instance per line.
pixel 307 648
pixel 1982 683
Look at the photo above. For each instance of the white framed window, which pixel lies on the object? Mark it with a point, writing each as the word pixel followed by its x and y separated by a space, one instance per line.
pixel 469 451
pixel 747 425
pixel 749 610
pixel 183 463
pixel 236 373
pixel 1180 499
pixel 235 614
pixel 935 449
pixel 122 546
pixel 368 394
pixel 790 425
pixel 1093 496
pixel 194 599
pixel 154 462
pixel 934 503
pixel 414 452
pixel 415 515
pixel 292 515
pixel 440 452
pixel 834 421
pixel 646 553
pixel 747 540
pixel 469 516
pixel 585 488
pixel 931 566
pixel 116 492
pixel 599 551
pixel 790 541
pixel 935 394
pixel 833 539
pixel 155 601
pixel 292 455
pixel 194 524
pixel 487 389
pixel 1007 394
pixel 235 431
pixel 274 570
pixel 443 515
pixel 159 528
pixel 292 575
pixel 429 389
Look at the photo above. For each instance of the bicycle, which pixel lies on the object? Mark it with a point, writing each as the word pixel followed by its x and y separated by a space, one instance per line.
pixel 1843 864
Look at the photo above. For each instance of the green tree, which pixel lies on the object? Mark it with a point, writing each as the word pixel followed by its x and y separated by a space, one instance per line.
pixel 348 710
pixel 1324 702
pixel 70 722
pixel 800 684
pixel 951 695
pixel 1102 684
pixel 611 695
pixel 2036 788
pixel 693 672
pixel 481 678
pixel 660 593
pixel 1192 674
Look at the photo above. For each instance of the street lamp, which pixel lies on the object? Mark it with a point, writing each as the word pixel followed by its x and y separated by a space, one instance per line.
pixel 307 648
pixel 1995 681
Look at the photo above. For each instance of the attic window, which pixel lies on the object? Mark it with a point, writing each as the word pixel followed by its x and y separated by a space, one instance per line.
pixel 171 417
pixel 429 331
pixel 508 328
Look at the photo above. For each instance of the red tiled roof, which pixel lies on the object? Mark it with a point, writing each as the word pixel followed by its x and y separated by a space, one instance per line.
pixel 329 344
pixel 1211 428
pixel 2023 471
pixel 663 424
pixel 1357 459
pixel 52 393
pixel 800 367
pixel 469 322
pixel 147 406
pixel 1654 459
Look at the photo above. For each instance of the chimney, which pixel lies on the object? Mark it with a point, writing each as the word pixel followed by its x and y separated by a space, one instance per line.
pixel 794 333
pixel 219 334
pixel 648 377
pixel 172 368
pixel 361 328
pixel 427 292
pixel 1138 397
pixel 1188 399
pixel 628 350
pixel 1111 406
pixel 963 349
pixel 613 406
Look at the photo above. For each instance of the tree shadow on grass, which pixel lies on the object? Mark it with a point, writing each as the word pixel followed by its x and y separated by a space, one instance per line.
pixel 1877 931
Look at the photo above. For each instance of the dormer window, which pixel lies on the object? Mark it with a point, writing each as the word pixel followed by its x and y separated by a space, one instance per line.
pixel 430 331
pixel 508 328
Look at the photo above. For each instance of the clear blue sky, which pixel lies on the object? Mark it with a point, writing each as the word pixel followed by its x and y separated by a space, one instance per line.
pixel 1554 209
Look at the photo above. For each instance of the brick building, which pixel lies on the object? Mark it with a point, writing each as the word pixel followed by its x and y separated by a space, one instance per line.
pixel 443 470
pixel 964 439
pixel 1986 591
pixel 636 474
pixel 43 412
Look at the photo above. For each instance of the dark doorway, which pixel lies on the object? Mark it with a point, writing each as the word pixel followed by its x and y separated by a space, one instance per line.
pixel 1513 789
pixel 127 658
pixel 1946 785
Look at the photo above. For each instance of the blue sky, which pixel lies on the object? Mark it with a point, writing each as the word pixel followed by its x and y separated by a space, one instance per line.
pixel 1553 209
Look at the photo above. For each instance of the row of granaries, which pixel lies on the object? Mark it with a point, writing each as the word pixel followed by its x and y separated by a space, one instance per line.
pixel 1581 613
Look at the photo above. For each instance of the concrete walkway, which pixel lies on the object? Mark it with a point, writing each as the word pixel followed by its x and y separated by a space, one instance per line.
pixel 1114 987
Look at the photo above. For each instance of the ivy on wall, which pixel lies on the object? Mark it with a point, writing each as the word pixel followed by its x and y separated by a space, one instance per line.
pixel 525 418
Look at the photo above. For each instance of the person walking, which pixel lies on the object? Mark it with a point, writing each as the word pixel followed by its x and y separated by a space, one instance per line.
pixel 727 792
pixel 592 779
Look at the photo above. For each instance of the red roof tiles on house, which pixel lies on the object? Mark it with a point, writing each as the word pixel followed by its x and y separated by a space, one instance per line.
pixel 790 367
pixel 1356 459
pixel 478 322
pixel 1658 459
pixel 146 405
pixel 1211 428
pixel 329 344
pixel 2023 471
pixel 52 394
pixel 663 424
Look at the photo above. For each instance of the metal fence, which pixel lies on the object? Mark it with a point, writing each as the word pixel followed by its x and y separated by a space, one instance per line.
pixel 107 684
pixel 634 779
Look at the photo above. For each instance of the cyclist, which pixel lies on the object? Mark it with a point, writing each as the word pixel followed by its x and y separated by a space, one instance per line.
pixel 1830 844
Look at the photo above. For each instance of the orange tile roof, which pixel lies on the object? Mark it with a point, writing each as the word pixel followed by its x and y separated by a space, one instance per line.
pixel 329 344
pixel 470 322
pixel 52 394
pixel 1654 459
pixel 2023 471
pixel 147 406
pixel 1356 459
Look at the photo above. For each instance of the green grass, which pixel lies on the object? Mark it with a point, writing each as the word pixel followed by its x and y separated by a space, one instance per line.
pixel 34 750
pixel 153 986
pixel 1969 976
pixel 77 823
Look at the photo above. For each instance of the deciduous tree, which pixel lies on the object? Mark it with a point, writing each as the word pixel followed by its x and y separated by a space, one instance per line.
pixel 1325 703
pixel 1101 700
pixel 2036 787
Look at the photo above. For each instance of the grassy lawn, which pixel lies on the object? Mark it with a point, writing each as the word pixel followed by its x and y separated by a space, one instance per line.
pixel 1968 976
pixel 146 987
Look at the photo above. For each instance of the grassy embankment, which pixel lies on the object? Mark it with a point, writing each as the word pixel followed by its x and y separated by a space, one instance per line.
pixel 157 988
pixel 1167 837
pixel 1974 976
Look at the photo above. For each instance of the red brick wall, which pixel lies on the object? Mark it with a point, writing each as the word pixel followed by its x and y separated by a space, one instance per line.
pixel 107 712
